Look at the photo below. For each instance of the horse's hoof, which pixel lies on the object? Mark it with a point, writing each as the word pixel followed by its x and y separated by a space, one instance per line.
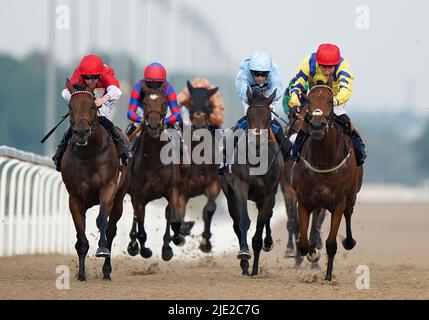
pixel 102 252
pixel 81 277
pixel 298 262
pixel 107 277
pixel 254 273
pixel 289 253
pixel 205 246
pixel 328 277
pixel 349 244
pixel 145 252
pixel 313 256
pixel 133 248
pixel 268 247
pixel 167 253
pixel 179 240
pixel 245 273
pixel 244 255
pixel 186 227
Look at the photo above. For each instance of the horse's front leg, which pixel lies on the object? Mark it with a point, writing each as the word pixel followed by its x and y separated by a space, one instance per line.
pixel 304 217
pixel 292 220
pixel 174 218
pixel 167 252
pixel 264 215
pixel 114 217
pixel 244 220
pixel 82 244
pixel 107 196
pixel 331 241
pixel 211 193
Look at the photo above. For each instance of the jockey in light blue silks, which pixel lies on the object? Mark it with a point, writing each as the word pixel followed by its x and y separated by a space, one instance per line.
pixel 260 73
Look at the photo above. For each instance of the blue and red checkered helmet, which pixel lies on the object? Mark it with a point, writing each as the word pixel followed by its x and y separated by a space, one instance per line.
pixel 155 72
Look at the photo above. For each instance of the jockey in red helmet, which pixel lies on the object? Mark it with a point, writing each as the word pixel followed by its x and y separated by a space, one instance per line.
pixel 92 69
pixel 320 66
pixel 154 77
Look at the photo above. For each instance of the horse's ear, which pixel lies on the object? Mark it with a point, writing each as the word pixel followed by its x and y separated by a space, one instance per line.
pixel 143 86
pixel 272 96
pixel 69 86
pixel 310 82
pixel 190 87
pixel 213 91
pixel 162 87
pixel 248 94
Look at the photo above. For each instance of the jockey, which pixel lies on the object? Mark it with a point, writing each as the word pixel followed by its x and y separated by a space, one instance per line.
pixel 90 69
pixel 154 77
pixel 260 73
pixel 321 65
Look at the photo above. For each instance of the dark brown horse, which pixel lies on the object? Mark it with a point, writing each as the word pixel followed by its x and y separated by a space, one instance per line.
pixel 201 178
pixel 92 175
pixel 240 185
pixel 326 175
pixel 152 179
pixel 291 202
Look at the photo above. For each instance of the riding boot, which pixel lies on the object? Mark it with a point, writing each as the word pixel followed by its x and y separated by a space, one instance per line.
pixel 284 143
pixel 358 145
pixel 124 152
pixel 62 148
pixel 297 146
pixel 224 167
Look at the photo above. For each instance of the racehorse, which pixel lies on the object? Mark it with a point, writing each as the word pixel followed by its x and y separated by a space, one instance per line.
pixel 239 185
pixel 201 178
pixel 291 202
pixel 92 174
pixel 152 179
pixel 326 176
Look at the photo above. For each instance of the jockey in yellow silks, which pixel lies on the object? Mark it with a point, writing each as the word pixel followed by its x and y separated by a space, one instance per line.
pixel 320 66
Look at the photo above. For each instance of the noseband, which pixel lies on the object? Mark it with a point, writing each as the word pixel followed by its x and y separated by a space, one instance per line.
pixel 92 124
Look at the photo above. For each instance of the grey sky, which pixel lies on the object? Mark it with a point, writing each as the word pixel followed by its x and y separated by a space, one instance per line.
pixel 388 60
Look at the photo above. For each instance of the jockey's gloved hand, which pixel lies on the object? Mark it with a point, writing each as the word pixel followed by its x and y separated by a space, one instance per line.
pixel 100 101
pixel 296 109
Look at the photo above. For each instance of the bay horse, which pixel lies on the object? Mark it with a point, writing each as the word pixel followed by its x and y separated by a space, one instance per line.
pixel 240 186
pixel 92 174
pixel 201 178
pixel 326 176
pixel 151 179
pixel 291 202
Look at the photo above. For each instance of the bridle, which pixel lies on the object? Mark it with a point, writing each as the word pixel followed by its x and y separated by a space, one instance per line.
pixel 94 118
pixel 308 116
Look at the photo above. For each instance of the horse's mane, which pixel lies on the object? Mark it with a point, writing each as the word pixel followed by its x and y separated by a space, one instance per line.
pixel 215 101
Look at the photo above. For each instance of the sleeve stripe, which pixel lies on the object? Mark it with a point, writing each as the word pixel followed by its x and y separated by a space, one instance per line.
pixel 344 73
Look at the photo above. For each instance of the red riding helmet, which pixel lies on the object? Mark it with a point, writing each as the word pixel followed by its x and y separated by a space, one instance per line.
pixel 91 65
pixel 328 55
pixel 155 72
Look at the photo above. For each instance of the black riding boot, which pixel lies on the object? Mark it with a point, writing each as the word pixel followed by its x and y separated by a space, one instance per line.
pixel 358 145
pixel 284 143
pixel 62 148
pixel 124 151
pixel 297 146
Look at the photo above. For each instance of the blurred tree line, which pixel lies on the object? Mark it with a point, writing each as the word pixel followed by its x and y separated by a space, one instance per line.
pixel 392 157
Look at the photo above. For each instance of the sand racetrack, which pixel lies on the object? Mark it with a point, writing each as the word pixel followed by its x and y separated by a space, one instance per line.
pixel 392 241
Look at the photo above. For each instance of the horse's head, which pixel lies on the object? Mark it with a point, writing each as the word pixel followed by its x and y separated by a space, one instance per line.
pixel 155 109
pixel 318 108
pixel 259 111
pixel 83 112
pixel 199 109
